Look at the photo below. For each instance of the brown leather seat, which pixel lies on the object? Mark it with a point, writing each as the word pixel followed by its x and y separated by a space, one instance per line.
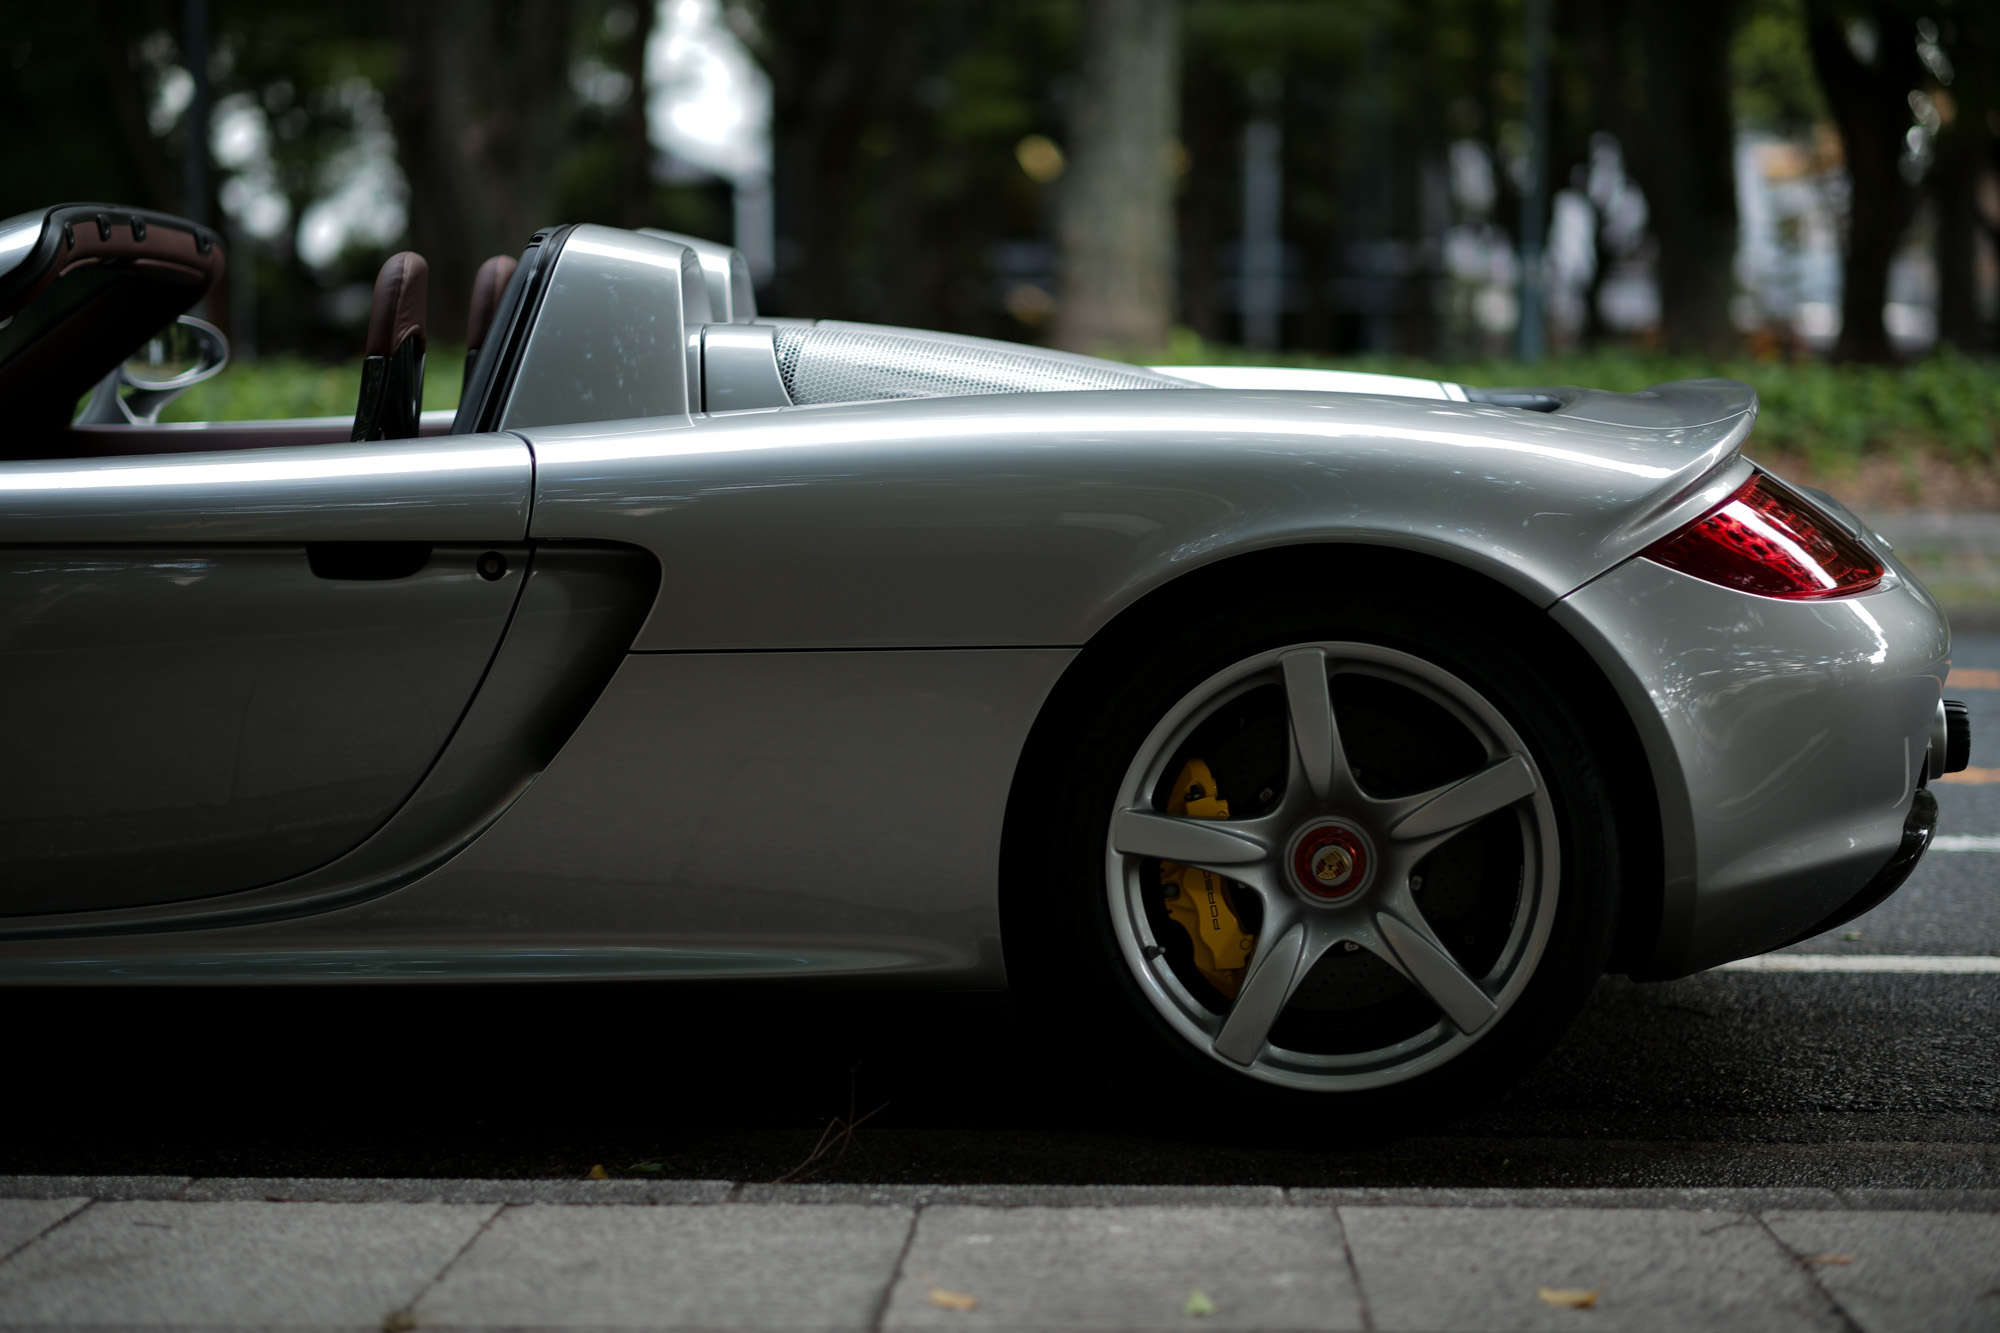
pixel 488 285
pixel 392 367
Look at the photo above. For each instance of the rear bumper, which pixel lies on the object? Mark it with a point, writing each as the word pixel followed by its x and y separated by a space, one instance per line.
pixel 1918 830
pixel 1786 740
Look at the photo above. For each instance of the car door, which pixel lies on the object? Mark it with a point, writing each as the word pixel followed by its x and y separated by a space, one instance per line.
pixel 222 670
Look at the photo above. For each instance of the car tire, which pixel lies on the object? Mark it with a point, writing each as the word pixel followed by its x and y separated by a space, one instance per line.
pixel 1390 975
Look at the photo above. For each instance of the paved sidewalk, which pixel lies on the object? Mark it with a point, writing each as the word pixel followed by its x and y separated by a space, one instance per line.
pixel 171 1252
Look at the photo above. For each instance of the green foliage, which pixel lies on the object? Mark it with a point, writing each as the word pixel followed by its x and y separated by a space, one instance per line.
pixel 1776 89
pixel 1948 404
pixel 281 388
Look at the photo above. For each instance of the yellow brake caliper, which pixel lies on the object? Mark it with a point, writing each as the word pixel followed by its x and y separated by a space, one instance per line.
pixel 1199 899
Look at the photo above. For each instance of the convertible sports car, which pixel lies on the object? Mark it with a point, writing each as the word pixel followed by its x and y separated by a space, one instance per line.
pixel 1306 738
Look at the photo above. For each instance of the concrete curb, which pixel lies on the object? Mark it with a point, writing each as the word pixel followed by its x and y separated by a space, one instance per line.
pixel 221 1189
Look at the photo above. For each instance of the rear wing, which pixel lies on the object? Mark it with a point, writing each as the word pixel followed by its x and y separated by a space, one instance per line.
pixel 1676 405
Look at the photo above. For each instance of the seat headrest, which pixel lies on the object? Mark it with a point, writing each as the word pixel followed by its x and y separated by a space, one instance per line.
pixel 487 287
pixel 401 294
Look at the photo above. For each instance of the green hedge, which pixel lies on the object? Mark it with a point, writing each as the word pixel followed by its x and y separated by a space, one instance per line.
pixel 279 388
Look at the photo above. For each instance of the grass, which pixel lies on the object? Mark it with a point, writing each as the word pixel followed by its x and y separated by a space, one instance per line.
pixel 1946 405
pixel 281 387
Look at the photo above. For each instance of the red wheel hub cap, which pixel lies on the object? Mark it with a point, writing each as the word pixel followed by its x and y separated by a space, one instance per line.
pixel 1330 863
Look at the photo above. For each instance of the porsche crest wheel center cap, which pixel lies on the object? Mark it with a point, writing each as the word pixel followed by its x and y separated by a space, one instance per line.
pixel 1330 862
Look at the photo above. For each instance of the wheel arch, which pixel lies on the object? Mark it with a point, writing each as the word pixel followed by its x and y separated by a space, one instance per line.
pixel 1093 671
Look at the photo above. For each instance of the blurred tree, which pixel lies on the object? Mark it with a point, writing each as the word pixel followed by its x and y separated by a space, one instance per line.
pixel 605 163
pixel 1682 149
pixel 1866 54
pixel 1301 65
pixel 1117 224
pixel 895 129
pixel 299 79
pixel 1965 65
pixel 842 75
pixel 483 109
pixel 74 93
pixel 1777 90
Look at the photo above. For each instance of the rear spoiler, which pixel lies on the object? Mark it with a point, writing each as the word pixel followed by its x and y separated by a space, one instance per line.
pixel 1675 405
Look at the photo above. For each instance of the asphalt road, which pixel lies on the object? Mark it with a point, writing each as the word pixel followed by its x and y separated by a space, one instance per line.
pixel 1728 1078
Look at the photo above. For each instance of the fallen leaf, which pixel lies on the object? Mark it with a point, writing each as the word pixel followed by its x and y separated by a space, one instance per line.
pixel 1198 1304
pixel 598 1173
pixel 953 1300
pixel 1568 1298
pixel 650 1168
pixel 398 1321
pixel 1828 1259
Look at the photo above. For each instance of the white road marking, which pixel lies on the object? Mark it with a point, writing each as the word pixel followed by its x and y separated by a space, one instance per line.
pixel 1966 842
pixel 1863 962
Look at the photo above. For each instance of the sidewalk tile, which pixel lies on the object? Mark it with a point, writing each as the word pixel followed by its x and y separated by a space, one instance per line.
pixel 1022 1196
pixel 674 1268
pixel 1935 1272
pixel 92 1187
pixel 262 1264
pixel 1127 1268
pixel 359 1190
pixel 1474 1271
pixel 21 1220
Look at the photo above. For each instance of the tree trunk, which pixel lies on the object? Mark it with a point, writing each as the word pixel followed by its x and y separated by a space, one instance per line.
pixel 1212 110
pixel 1687 167
pixel 1965 153
pixel 826 77
pixel 124 105
pixel 481 114
pixel 1955 192
pixel 635 144
pixel 1117 230
pixel 1871 109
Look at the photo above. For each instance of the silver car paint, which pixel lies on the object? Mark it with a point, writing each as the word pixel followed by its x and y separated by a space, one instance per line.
pixel 716 814
pixel 990 531
pixel 739 368
pixel 731 298
pixel 833 361
pixel 1785 740
pixel 190 700
pixel 617 335
pixel 463 488
pixel 18 235
pixel 1033 519
pixel 575 616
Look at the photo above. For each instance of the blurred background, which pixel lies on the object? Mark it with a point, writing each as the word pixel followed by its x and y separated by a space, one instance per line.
pixel 1802 193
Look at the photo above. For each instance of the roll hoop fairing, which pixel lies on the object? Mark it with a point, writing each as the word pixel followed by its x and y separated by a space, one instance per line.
pixel 803 764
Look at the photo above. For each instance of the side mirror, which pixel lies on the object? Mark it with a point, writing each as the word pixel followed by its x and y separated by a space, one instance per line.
pixel 169 363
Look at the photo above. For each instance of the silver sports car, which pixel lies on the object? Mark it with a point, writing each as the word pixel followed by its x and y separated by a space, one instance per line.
pixel 1308 738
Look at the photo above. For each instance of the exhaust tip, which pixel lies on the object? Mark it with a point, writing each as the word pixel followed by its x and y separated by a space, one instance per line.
pixel 1957 736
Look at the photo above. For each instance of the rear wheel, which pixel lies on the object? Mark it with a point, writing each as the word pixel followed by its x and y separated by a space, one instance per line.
pixel 1328 857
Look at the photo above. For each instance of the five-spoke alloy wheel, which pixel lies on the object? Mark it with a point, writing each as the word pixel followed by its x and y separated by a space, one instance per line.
pixel 1324 838
pixel 1334 867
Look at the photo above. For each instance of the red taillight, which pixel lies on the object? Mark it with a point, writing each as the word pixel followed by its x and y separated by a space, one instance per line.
pixel 1767 540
